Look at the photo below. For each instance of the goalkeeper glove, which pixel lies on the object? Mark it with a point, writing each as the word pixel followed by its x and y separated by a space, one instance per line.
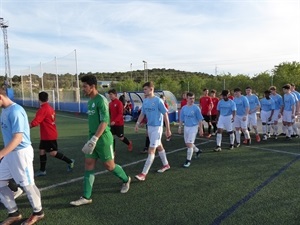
pixel 89 147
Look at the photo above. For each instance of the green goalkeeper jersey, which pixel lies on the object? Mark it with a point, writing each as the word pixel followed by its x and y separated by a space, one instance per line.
pixel 97 112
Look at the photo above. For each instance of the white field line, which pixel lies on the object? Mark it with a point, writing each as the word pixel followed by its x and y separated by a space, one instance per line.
pixel 106 171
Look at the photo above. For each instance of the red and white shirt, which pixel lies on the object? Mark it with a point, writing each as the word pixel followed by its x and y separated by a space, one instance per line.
pixel 116 112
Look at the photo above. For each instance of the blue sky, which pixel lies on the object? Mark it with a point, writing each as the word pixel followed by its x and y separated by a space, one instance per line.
pixel 244 36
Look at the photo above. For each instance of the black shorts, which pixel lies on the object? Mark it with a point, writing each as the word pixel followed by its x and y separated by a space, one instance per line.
pixel 207 118
pixel 49 145
pixel 213 118
pixel 117 130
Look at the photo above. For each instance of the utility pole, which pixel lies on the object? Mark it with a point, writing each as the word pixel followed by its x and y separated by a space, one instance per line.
pixel 145 71
pixel 4 26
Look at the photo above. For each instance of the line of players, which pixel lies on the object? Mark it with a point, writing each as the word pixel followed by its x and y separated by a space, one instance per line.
pixel 237 114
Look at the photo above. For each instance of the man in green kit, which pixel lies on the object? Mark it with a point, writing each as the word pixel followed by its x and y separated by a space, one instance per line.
pixel 100 145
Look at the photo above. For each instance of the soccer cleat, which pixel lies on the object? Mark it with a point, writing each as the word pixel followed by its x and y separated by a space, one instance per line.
pixel 71 166
pixel 217 149
pixel 187 164
pixel 126 186
pixel 33 219
pixel 164 168
pixel 288 138
pixel 265 137
pixel 232 147
pixel 141 177
pixel 237 145
pixel 276 137
pixel 11 219
pixel 198 153
pixel 282 134
pixel 257 137
pixel 40 173
pixel 144 151
pixel 248 141
pixel 268 135
pixel 18 193
pixel 130 147
pixel 245 141
pixel 296 136
pixel 81 201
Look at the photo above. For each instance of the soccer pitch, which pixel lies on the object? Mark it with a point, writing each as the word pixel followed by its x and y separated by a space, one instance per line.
pixel 256 184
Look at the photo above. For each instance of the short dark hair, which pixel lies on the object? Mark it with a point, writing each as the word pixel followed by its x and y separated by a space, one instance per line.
pixel 43 96
pixel 286 86
pixel 267 92
pixel 213 91
pixel 248 87
pixel 237 89
pixel 113 91
pixel 190 94
pixel 148 84
pixel 89 79
pixel 3 90
pixel 205 89
pixel 225 93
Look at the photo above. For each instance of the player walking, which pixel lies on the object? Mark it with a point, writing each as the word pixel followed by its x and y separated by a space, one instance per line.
pixel 254 106
pixel 278 105
pixel 192 118
pixel 241 119
pixel 226 114
pixel 116 119
pixel 17 161
pixel 206 106
pixel 155 111
pixel 100 145
pixel 45 117
pixel 267 112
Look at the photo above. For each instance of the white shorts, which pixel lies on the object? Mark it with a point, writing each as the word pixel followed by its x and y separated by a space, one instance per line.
pixel 18 165
pixel 275 115
pixel 265 115
pixel 155 134
pixel 190 134
pixel 252 119
pixel 287 116
pixel 239 122
pixel 225 123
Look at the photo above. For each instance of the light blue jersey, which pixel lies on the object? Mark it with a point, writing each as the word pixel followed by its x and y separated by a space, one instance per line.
pixel 278 101
pixel 253 102
pixel 267 104
pixel 297 95
pixel 242 104
pixel 190 115
pixel 14 120
pixel 154 109
pixel 226 108
pixel 288 101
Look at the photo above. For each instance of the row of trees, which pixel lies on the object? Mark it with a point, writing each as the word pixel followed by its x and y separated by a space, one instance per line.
pixel 174 80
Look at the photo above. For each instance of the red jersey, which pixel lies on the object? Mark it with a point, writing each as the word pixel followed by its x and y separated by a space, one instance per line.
pixel 215 102
pixel 231 97
pixel 116 112
pixel 183 102
pixel 205 104
pixel 45 117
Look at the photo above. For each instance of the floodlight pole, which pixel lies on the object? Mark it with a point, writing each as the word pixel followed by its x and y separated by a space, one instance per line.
pixel 4 27
pixel 145 71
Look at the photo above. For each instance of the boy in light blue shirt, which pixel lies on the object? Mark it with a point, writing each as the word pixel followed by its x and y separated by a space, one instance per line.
pixel 267 105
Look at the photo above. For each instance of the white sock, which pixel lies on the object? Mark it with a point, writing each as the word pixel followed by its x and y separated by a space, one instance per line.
pixel 284 129
pixel 247 134
pixel 148 163
pixel 295 129
pixel 231 138
pixel 219 139
pixel 189 154
pixel 163 157
pixel 276 129
pixel 238 136
pixel 7 198
pixel 264 129
pixel 195 148
pixel 34 197
pixel 269 128
pixel 290 131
